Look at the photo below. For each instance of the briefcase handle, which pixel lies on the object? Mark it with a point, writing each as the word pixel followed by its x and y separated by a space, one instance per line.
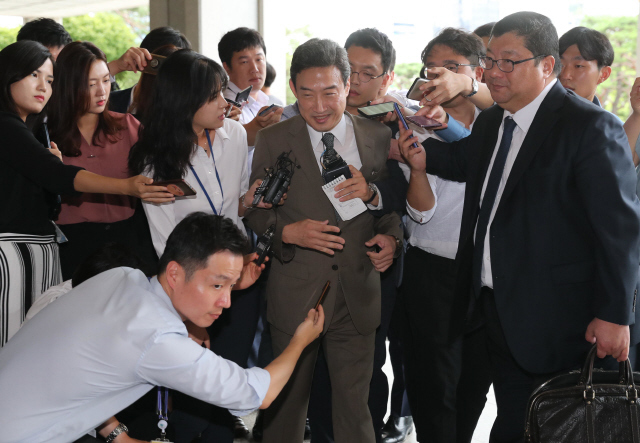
pixel 625 378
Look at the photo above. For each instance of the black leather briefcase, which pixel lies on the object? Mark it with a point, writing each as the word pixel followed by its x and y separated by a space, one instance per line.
pixel 587 406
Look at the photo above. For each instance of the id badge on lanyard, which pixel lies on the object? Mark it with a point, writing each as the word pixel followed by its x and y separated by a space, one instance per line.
pixel 163 414
pixel 217 176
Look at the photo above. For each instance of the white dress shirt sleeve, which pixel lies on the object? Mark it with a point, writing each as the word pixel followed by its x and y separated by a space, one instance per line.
pixel 423 217
pixel 177 362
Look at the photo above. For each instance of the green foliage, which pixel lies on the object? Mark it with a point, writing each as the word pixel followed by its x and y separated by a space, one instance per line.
pixel 8 36
pixel 622 32
pixel 109 32
pixel 405 75
pixel 296 38
pixel 137 19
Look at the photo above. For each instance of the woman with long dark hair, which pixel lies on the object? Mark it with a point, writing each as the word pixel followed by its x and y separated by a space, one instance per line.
pixel 186 135
pixel 29 260
pixel 98 140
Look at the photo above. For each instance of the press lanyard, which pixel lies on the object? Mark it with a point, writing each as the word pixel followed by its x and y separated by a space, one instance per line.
pixel 217 176
pixel 163 411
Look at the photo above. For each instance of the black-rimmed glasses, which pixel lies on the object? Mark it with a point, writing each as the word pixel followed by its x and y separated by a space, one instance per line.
pixel 365 77
pixel 504 64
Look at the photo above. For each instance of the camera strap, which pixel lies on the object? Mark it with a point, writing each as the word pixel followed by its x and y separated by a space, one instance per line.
pixel 217 176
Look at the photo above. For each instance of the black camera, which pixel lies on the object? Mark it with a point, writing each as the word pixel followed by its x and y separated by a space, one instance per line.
pixel 264 244
pixel 276 181
pixel 333 166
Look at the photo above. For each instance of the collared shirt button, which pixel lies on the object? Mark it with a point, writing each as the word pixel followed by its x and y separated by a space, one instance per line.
pixel 334 267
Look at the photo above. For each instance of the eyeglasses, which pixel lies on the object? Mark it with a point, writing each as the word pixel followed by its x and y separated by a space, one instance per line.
pixel 365 77
pixel 505 65
pixel 453 67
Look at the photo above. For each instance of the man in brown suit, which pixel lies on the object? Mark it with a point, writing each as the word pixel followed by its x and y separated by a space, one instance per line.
pixel 312 246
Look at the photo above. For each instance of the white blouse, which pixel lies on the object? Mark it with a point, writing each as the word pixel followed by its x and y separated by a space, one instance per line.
pixel 229 148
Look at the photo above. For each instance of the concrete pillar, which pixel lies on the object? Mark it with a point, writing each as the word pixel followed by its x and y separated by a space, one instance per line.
pixel 204 22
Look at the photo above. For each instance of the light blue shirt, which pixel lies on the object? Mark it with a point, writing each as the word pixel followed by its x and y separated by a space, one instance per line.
pixel 98 349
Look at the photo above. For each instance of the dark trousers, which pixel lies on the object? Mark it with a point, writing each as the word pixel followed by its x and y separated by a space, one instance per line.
pixel 87 238
pixel 399 400
pixel 320 414
pixel 231 337
pixel 512 384
pixel 435 364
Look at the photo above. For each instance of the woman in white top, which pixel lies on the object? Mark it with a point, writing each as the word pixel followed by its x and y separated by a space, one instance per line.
pixel 186 136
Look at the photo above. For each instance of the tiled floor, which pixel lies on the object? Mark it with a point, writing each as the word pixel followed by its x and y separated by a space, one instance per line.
pixel 482 431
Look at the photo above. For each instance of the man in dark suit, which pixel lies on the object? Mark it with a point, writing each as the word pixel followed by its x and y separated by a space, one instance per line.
pixel 312 245
pixel 550 238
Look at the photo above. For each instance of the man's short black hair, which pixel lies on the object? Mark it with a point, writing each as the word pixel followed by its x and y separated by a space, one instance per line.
pixel 197 237
pixel 593 45
pixel 378 42
pixel 164 35
pixel 271 75
pixel 540 36
pixel 484 30
pixel 320 53
pixel 238 40
pixel 463 43
pixel 46 31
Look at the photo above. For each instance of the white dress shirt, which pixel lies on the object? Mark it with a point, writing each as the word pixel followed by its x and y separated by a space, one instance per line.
pixel 230 158
pixel 523 118
pixel 344 143
pixel 252 107
pixel 437 230
pixel 98 349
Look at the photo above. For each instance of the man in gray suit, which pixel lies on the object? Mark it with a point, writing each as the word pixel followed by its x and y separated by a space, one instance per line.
pixel 312 245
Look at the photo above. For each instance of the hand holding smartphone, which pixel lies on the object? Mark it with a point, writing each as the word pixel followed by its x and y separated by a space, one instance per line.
pixel 178 187
pixel 379 110
pixel 414 92
pixel 426 122
pixel 403 122
pixel 269 110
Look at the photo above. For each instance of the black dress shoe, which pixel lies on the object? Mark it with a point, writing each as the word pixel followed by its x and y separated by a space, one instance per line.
pixel 397 429
pixel 307 430
pixel 240 430
pixel 256 432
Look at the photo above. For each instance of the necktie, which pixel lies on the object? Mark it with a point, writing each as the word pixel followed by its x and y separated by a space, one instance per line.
pixel 329 153
pixel 489 199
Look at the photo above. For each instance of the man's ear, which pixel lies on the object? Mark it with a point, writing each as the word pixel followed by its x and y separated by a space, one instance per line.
pixel 174 274
pixel 477 72
pixel 547 65
pixel 387 81
pixel 605 72
pixel 347 87
pixel 293 88
pixel 226 67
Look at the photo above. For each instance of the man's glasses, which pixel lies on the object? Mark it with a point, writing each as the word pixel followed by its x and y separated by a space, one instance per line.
pixel 365 77
pixel 505 65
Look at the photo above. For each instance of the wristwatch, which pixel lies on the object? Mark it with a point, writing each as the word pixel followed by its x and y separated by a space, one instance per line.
pixel 474 88
pixel 117 431
pixel 374 189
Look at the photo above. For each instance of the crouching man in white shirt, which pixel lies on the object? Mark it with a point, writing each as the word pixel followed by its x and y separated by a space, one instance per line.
pixel 116 336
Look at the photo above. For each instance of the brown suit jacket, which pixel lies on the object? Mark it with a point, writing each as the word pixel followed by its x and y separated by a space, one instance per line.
pixel 298 275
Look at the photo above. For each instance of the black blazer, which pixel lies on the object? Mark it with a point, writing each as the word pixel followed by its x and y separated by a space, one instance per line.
pixel 119 101
pixel 565 239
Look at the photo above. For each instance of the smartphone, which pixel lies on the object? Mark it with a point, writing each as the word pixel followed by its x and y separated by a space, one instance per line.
pixel 414 92
pixel 425 122
pixel 269 110
pixel 154 64
pixel 178 187
pixel 403 122
pixel 379 110
pixel 327 285
pixel 243 96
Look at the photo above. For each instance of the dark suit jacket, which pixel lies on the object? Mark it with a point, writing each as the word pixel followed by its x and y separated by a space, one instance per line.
pixel 119 101
pixel 565 240
pixel 298 274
